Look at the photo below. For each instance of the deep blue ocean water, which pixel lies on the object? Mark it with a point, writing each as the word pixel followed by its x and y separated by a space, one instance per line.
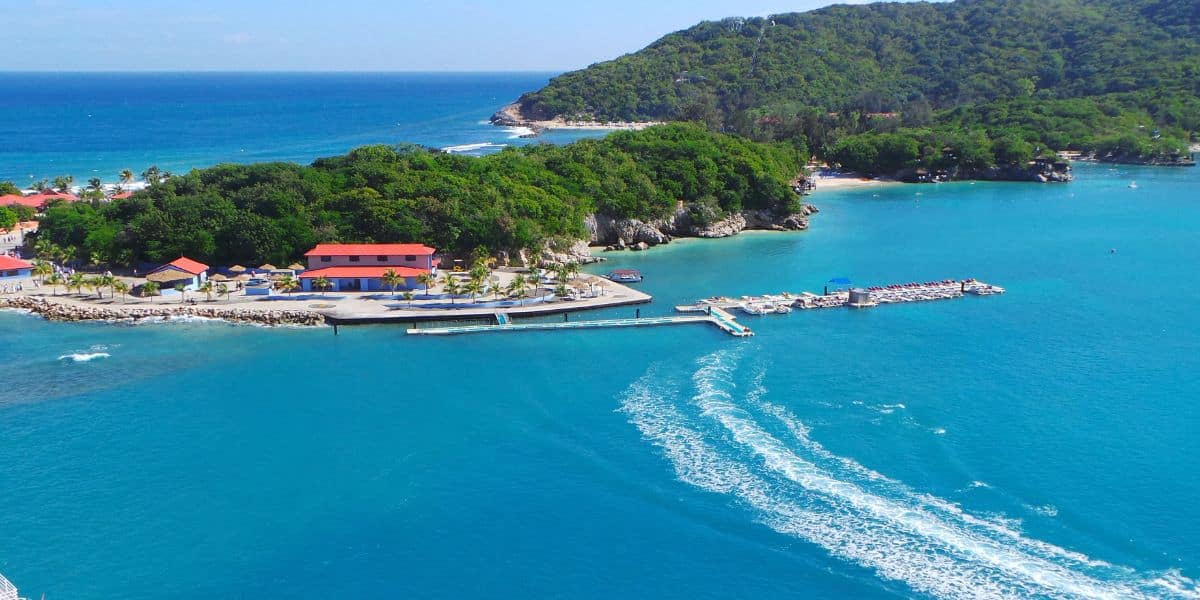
pixel 97 124
pixel 1036 444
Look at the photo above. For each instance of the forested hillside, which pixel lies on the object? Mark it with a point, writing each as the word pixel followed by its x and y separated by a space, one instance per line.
pixel 1098 67
pixel 518 198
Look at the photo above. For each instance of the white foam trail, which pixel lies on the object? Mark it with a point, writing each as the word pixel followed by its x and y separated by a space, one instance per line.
pixel 472 147
pixel 83 356
pixel 853 512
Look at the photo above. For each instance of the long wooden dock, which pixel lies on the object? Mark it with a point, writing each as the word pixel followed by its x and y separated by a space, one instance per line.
pixel 720 318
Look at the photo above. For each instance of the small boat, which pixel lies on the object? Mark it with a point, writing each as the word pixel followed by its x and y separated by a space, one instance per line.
pixel 1133 185
pixel 625 276
pixel 782 309
pixel 755 308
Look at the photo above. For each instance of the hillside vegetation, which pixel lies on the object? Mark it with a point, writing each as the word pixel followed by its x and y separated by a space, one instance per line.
pixel 517 198
pixel 1055 74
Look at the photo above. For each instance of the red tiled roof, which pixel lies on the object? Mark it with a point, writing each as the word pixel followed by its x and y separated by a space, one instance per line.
pixel 184 264
pixel 36 200
pixel 13 199
pixel 367 272
pixel 370 249
pixel 121 196
pixel 8 263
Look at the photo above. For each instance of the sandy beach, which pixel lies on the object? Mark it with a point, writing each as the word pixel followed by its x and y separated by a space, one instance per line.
pixel 828 179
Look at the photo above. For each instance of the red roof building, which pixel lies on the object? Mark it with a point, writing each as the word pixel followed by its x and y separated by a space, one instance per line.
pixel 183 271
pixel 360 267
pixel 36 201
pixel 12 267
pixel 366 249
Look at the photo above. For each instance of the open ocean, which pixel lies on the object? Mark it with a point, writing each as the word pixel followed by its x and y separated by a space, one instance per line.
pixel 1042 443
pixel 97 124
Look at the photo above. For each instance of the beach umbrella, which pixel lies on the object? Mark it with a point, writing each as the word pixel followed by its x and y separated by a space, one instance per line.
pixel 241 277
pixel 237 269
pixel 296 267
pixel 219 277
pixel 267 267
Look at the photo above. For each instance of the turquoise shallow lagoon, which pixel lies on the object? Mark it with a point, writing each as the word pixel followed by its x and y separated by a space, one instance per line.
pixel 1036 444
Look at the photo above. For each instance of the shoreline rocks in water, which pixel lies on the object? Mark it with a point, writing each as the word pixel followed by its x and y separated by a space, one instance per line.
pixel 55 310
pixel 634 234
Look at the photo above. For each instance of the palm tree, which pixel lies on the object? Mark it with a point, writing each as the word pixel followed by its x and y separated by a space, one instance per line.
pixel 516 287
pixel 427 280
pixel 322 284
pixel 63 183
pixel 95 185
pixel 534 278
pixel 182 289
pixel 54 280
pixel 561 290
pixel 41 185
pixel 122 288
pixel 223 290
pixel 392 279
pixel 408 297
pixel 151 175
pixel 76 281
pixel 207 288
pixel 474 288
pixel 104 281
pixel 42 268
pixel 288 284
pixel 126 176
pixel 150 288
pixel 451 286
pixel 572 270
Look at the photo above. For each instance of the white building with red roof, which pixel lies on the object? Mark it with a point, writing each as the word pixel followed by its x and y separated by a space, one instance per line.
pixel 181 271
pixel 361 267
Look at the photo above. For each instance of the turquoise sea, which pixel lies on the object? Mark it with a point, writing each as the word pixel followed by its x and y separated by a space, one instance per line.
pixel 1036 444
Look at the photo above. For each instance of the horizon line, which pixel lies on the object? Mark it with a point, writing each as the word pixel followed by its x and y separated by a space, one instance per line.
pixel 270 71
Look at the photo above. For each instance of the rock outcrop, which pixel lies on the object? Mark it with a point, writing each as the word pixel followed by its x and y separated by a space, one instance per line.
pixel 621 234
pixel 55 310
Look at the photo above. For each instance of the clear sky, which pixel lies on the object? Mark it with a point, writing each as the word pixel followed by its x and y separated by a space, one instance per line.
pixel 328 35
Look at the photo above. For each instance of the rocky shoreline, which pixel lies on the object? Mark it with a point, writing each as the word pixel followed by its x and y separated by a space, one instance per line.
pixel 58 310
pixel 633 234
pixel 511 116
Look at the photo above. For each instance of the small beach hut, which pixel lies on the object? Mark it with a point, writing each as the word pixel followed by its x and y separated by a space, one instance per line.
pixel 182 270
pixel 12 267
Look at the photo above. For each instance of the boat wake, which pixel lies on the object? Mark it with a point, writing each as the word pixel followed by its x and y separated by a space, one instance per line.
pixel 732 441
pixel 83 356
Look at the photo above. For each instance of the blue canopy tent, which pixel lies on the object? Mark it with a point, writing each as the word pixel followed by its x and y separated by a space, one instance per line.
pixel 837 281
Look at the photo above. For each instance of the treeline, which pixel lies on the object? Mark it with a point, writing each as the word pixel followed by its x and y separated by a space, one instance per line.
pixel 517 198
pixel 1084 72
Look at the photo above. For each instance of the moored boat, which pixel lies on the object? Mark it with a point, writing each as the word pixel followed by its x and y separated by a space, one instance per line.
pixel 625 276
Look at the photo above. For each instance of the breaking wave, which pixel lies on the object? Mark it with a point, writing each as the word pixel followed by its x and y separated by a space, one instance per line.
pixel 725 440
pixel 472 147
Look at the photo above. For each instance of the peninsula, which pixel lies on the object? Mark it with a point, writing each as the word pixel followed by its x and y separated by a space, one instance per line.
pixel 987 89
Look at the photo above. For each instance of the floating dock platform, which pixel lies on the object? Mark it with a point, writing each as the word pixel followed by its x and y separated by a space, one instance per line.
pixel 715 316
